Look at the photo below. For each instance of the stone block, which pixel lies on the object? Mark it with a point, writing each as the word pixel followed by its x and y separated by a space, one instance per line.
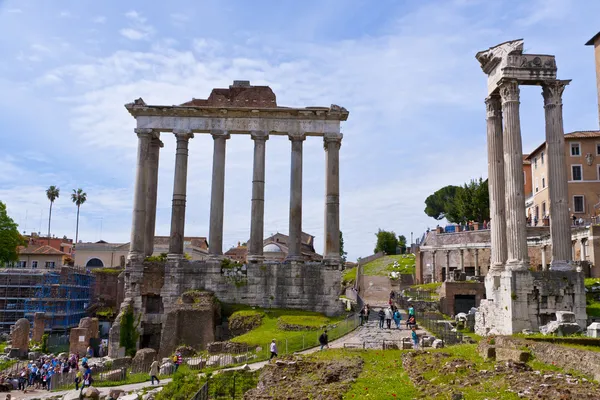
pixel 560 328
pixel 196 363
pixel 20 337
pixel 515 355
pixel 486 351
pixel 114 375
pixel 142 360
pixel 91 393
pixel 437 344
pixel 565 317
pixel 594 330
pixel 115 393
pixel 121 362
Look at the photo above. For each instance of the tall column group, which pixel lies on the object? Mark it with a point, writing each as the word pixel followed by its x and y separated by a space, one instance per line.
pixel 179 193
pixel 295 225
pixel 217 194
pixel 257 219
pixel 332 197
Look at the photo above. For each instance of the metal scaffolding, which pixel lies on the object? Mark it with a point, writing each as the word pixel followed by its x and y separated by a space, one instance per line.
pixel 63 295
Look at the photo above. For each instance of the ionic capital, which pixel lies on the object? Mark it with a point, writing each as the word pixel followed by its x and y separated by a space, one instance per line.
pixel 509 90
pixel 146 133
pixel 493 106
pixel 259 135
pixel 219 134
pixel 552 92
pixel 332 137
pixel 156 142
pixel 297 136
pixel 183 134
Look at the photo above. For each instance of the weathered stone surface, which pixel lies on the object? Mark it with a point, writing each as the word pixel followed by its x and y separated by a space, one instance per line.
pixel 115 393
pixel 486 351
pixel 242 323
pixel 79 338
pixel 121 362
pixel 437 344
pixel 515 355
pixel 91 393
pixel 594 330
pixel 560 328
pixel 20 337
pixel 39 324
pixel 196 363
pixel 142 360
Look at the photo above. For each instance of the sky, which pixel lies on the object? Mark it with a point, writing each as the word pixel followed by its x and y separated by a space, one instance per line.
pixel 404 69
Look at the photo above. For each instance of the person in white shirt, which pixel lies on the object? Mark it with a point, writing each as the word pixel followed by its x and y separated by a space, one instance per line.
pixel 388 317
pixel 273 349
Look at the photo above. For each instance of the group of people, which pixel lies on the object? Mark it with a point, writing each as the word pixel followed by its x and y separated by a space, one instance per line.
pixel 40 373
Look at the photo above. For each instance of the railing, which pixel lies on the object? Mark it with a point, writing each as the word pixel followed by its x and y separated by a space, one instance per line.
pixel 201 394
pixel 441 330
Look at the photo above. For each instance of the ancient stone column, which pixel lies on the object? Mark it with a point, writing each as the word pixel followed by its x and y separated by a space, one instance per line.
pixel 477 269
pixel 138 223
pixel 183 137
pixel 544 263
pixel 582 254
pixel 295 228
pixel 332 142
pixel 433 266
pixel 516 235
pixel 462 260
pixel 496 182
pixel 560 224
pixel 447 265
pixel 257 221
pixel 217 194
pixel 151 194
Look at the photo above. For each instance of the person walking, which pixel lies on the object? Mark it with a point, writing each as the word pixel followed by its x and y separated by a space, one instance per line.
pixel 154 372
pixel 87 379
pixel 273 349
pixel 415 338
pixel 324 340
pixel 78 379
pixel 388 317
pixel 177 360
pixel 397 318
pixel 361 315
pixel 381 317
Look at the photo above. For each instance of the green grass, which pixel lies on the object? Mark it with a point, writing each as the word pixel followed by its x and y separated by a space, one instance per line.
pixel 590 281
pixel 107 271
pixel 308 321
pixel 349 275
pixel 269 330
pixel 593 308
pixel 384 265
pixel 427 286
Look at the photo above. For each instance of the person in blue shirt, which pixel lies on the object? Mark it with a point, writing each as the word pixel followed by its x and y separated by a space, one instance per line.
pixel 415 338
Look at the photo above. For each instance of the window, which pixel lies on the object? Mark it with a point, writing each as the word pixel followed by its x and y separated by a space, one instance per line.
pixel 598 149
pixel 537 189
pixel 34 264
pixel 543 182
pixel 543 209
pixel 575 150
pixel 542 158
pixel 535 162
pixel 576 173
pixel 578 204
pixel 50 264
pixel 21 264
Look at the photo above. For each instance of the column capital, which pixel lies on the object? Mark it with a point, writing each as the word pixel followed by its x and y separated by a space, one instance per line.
pixel 297 136
pixel 183 134
pixel 493 106
pixel 259 135
pixel 552 92
pixel 509 90
pixel 332 138
pixel 219 134
pixel 147 132
pixel 157 142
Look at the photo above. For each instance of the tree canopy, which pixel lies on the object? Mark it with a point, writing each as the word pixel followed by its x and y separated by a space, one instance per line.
pixel 343 253
pixel 386 242
pixel 402 241
pixel 460 204
pixel 10 238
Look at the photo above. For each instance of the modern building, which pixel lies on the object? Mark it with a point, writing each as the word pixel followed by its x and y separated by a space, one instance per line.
pixel 114 255
pixel 238 253
pixel 275 248
pixel 64 244
pixel 40 256
pixel 62 293
pixel 582 150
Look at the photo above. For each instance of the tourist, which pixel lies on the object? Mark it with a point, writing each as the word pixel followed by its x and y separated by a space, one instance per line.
pixel 574 219
pixel 381 318
pixel 392 295
pixel 411 310
pixel 90 352
pixel 411 322
pixel 415 338
pixel 323 340
pixel 177 360
pixel 87 379
pixel 154 372
pixel 388 317
pixel 273 349
pixel 361 315
pixel 78 379
pixel 397 318
pixel 22 379
pixel 580 221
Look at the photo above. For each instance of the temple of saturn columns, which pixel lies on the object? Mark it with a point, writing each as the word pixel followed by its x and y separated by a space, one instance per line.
pixel 153 289
pixel 517 298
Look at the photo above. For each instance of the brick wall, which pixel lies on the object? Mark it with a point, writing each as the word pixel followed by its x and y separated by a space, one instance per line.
pixel 449 290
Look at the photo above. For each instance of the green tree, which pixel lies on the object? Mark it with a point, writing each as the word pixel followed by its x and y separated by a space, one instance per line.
pixel 343 253
pixel 78 197
pixel 52 193
pixel 472 202
pixel 386 242
pixel 402 241
pixel 10 238
pixel 441 205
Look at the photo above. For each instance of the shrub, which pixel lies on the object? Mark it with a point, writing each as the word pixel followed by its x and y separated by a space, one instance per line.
pixel 128 334
pixel 184 385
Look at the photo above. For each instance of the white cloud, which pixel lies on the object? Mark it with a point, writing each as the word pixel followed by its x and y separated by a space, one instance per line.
pixel 100 19
pixel 133 34
pixel 139 29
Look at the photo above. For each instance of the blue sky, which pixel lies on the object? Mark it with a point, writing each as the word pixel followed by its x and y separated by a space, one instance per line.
pixel 404 69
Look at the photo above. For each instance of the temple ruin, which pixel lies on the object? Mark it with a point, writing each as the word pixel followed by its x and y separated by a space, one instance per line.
pixel 517 298
pixel 154 289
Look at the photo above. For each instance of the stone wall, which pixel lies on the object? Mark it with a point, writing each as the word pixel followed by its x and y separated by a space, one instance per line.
pixel 79 338
pixel 108 289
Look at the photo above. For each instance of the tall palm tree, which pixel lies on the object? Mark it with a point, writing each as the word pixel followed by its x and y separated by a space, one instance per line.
pixel 52 193
pixel 78 197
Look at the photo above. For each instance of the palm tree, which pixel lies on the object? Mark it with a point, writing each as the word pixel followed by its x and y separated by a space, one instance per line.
pixel 52 193
pixel 78 197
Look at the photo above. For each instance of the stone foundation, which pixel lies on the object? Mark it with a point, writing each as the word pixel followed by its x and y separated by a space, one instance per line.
pixel 525 300
pixel 155 291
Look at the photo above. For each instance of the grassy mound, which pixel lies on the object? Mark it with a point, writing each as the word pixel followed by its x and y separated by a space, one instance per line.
pixel 301 322
pixel 385 265
pixel 348 276
pixel 244 321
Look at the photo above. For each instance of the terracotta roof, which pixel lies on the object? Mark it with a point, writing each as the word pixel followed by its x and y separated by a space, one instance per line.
pixel 241 250
pixel 592 40
pixel 40 249
pixel 525 159
pixel 570 135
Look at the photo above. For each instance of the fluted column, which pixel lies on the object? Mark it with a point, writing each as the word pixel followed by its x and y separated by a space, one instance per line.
pixel 516 235
pixel 217 194
pixel 332 143
pixel 257 221
pixel 560 224
pixel 295 228
pixel 179 193
pixel 433 266
pixel 544 263
pixel 462 260
pixel 477 269
pixel 496 183
pixel 138 223
pixel 151 194
pixel 447 265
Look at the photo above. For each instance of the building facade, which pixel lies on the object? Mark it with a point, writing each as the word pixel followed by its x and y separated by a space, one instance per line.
pixel 582 149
